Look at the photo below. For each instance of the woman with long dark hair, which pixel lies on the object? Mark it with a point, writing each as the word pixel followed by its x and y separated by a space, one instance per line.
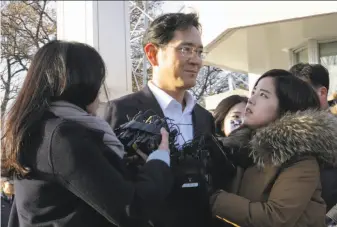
pixel 289 140
pixel 228 114
pixel 66 163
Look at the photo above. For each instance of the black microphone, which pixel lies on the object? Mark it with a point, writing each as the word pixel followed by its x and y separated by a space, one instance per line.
pixel 331 217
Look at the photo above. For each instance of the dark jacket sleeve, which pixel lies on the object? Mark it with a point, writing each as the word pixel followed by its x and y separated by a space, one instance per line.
pixel 117 114
pixel 78 163
pixel 329 186
pixel 212 123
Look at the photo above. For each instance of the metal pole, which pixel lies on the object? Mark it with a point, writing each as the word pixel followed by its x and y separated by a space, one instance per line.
pixel 144 12
pixel 145 76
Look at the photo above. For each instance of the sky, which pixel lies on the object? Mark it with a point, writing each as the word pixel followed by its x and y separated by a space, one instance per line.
pixel 172 6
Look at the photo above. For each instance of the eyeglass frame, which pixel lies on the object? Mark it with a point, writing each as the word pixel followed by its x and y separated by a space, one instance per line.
pixel 202 55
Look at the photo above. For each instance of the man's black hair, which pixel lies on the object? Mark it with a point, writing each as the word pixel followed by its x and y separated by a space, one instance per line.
pixel 161 30
pixel 315 74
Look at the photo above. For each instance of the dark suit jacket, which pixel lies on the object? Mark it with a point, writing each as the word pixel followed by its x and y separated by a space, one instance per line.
pixel 184 207
pixel 119 110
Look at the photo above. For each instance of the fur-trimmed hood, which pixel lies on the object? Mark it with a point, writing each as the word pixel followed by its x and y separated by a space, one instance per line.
pixel 303 133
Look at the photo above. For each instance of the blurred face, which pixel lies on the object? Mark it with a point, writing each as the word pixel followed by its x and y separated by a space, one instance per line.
pixel 233 118
pixel 177 64
pixel 262 107
pixel 8 188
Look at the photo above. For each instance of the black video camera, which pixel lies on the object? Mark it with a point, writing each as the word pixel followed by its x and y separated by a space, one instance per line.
pixel 199 162
pixel 194 164
pixel 143 133
pixel 190 165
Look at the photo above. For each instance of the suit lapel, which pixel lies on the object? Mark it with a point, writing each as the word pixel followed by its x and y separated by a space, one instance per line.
pixel 149 102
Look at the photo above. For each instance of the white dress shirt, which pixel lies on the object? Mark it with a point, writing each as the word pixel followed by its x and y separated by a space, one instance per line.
pixel 173 109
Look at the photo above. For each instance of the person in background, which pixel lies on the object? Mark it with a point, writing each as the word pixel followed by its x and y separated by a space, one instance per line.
pixel 67 163
pixel 290 139
pixel 7 196
pixel 318 77
pixel 334 103
pixel 229 113
pixel 228 116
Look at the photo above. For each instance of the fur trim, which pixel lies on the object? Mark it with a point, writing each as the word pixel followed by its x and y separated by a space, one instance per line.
pixel 303 133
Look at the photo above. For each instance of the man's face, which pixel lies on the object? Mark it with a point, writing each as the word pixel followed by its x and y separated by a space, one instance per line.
pixel 179 62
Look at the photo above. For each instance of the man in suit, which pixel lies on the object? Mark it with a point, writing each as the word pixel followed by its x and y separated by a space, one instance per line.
pixel 318 77
pixel 173 46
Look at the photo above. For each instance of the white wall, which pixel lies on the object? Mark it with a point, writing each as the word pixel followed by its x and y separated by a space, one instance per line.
pixel 105 26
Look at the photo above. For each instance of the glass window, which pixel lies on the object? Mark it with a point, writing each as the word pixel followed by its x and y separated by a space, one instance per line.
pixel 302 56
pixel 328 58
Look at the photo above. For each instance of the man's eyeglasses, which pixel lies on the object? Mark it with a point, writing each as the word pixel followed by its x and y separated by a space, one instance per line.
pixel 187 51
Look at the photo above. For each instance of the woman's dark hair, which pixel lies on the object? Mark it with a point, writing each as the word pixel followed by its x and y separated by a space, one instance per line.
pixel 223 108
pixel 60 70
pixel 161 30
pixel 293 93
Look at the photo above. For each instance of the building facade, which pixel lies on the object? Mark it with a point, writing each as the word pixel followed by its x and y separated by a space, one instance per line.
pixel 253 37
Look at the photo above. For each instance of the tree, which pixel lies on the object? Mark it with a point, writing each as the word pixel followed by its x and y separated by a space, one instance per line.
pixel 137 29
pixel 25 27
pixel 212 80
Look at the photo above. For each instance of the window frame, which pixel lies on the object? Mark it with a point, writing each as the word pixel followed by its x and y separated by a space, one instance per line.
pixel 313 50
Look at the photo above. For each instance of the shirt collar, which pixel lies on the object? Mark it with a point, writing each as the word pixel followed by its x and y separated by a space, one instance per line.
pixel 165 99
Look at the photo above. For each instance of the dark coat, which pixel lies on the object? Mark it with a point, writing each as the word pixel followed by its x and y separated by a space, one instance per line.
pixel 78 181
pixel 6 204
pixel 282 188
pixel 329 179
pixel 184 207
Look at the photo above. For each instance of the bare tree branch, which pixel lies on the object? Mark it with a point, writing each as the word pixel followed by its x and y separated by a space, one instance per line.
pixel 212 80
pixel 40 20
pixel 137 29
pixel 25 26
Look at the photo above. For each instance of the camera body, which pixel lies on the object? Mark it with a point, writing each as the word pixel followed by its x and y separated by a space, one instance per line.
pixel 143 133
pixel 190 164
pixel 193 164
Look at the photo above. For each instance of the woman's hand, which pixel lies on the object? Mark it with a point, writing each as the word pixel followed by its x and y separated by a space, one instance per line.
pixel 164 145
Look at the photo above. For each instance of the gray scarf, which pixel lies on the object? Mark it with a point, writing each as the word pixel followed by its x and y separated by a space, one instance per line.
pixel 72 112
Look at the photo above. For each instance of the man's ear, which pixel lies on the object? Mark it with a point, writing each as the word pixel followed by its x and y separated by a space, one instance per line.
pixel 151 53
pixel 323 91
